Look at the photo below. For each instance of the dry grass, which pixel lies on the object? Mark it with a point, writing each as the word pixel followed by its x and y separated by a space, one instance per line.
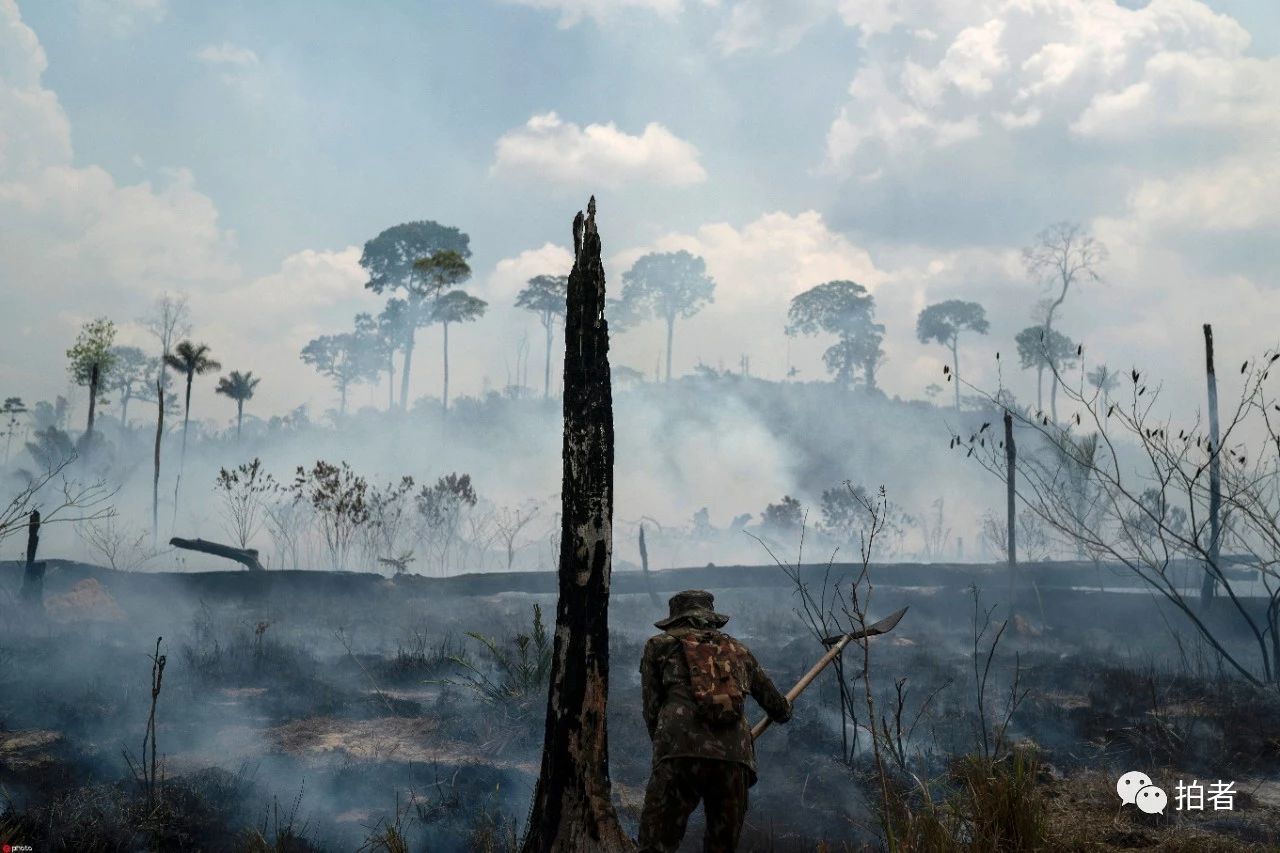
pixel 1084 814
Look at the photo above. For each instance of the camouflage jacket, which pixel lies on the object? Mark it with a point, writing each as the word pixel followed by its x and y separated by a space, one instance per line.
pixel 670 711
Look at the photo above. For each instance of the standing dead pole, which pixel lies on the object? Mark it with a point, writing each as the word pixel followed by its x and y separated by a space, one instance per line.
pixel 157 676
pixel 572 803
pixel 1209 584
pixel 146 768
pixel 155 479
pixel 33 575
pixel 1011 491
pixel 644 567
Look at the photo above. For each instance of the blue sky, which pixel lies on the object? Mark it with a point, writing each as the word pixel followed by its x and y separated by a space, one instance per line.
pixel 240 153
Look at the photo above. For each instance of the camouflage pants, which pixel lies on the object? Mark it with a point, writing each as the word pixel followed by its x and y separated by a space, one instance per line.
pixel 676 786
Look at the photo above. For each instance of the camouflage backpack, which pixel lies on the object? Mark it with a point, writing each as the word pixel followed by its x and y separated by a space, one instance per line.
pixel 714 665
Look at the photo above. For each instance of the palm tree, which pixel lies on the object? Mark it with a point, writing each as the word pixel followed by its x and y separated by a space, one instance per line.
pixel 191 360
pixel 239 387
pixel 1105 380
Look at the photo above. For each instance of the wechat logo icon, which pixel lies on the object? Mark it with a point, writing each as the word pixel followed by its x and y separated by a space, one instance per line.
pixel 1135 789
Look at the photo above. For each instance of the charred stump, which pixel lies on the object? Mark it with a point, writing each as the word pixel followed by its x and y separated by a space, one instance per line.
pixel 33 575
pixel 95 374
pixel 572 803
pixel 247 557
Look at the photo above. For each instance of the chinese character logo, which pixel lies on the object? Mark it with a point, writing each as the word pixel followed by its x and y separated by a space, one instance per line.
pixel 1221 796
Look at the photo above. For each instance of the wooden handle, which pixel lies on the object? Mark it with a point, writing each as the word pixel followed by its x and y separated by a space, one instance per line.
pixel 884 626
pixel 805 681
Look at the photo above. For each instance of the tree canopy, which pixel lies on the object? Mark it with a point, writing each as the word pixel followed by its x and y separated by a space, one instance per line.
pixel 436 273
pixel 545 295
pixel 844 309
pixel 191 359
pixel 93 347
pixel 1044 349
pixel 389 258
pixel 458 306
pixel 344 359
pixel 238 386
pixel 943 322
pixel 130 367
pixel 666 285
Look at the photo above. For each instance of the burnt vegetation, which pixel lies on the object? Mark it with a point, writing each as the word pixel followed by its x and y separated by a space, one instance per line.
pixel 429 645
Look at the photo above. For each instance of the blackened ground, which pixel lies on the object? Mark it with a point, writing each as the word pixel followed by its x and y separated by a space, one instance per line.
pixel 331 711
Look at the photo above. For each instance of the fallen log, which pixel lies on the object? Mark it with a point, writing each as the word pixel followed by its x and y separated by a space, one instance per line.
pixel 247 557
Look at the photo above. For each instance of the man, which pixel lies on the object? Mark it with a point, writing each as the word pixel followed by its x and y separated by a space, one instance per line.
pixel 694 678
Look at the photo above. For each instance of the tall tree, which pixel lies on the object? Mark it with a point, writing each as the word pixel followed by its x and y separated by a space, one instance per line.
pixel 666 285
pixel 384 335
pixel 456 306
pixel 944 321
pixel 844 309
pixel 1040 349
pixel 132 371
pixel 1063 254
pixel 344 359
pixel 545 296
pixel 393 261
pixel 90 360
pixel 190 360
pixel 239 387
pixel 168 321
pixel 572 802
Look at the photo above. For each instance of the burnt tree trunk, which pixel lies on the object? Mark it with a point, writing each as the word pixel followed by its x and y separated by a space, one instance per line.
pixel 33 574
pixel 95 375
pixel 1011 509
pixel 247 557
pixel 1208 585
pixel 572 803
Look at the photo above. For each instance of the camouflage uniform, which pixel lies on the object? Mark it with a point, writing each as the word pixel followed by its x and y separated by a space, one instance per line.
pixel 692 759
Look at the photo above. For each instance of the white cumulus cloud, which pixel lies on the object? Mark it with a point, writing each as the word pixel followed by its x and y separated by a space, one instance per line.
pixel 510 275
pixel 548 148
pixel 1085 67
